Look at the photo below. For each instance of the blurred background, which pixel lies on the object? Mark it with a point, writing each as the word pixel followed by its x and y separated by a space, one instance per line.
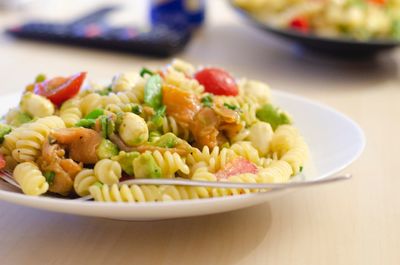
pixel 274 41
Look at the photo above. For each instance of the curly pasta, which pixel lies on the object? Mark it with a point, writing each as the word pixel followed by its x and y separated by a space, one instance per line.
pixel 90 102
pixel 170 163
pixel 169 124
pixel 30 178
pixel 277 171
pixel 284 139
pixel 25 142
pixel 108 171
pixel 246 150
pixel 178 79
pixel 36 106
pixel 83 181
pixel 70 112
pixel 297 155
pixel 215 159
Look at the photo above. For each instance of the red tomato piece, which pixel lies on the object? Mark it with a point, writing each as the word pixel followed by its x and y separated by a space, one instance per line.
pixel 300 24
pixel 2 162
pixel 237 166
pixel 60 89
pixel 378 2
pixel 217 82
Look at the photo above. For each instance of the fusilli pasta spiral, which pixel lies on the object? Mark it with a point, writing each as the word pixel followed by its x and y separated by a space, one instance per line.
pixel 30 178
pixel 108 171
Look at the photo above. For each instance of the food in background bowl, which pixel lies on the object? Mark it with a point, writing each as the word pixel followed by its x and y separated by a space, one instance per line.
pixel 354 19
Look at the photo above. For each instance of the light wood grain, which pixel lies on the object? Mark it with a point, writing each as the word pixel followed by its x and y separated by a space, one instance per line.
pixel 356 222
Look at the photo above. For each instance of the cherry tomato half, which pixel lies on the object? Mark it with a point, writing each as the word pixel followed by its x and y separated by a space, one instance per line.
pixel 217 82
pixel 2 162
pixel 300 24
pixel 60 89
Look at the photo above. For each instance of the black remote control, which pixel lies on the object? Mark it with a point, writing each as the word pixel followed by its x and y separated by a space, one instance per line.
pixel 91 31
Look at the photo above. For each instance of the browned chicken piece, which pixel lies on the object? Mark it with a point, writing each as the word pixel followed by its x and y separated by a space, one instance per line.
pixel 210 122
pixel 205 128
pixel 80 142
pixel 52 160
pixel 181 105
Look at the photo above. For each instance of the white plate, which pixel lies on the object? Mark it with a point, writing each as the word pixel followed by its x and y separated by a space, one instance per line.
pixel 335 141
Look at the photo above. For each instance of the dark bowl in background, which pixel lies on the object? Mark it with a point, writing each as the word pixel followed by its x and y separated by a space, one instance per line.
pixel 334 46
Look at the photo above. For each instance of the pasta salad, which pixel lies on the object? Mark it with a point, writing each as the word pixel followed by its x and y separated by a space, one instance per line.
pixel 355 19
pixel 176 121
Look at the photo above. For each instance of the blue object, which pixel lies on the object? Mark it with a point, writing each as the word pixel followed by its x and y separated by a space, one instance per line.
pixel 177 13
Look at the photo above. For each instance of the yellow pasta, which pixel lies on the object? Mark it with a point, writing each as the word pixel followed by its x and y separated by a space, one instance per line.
pixel 30 178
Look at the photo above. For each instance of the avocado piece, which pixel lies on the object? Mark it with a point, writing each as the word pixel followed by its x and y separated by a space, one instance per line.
pixel 273 115
pixel 4 130
pixel 21 118
pixel 126 161
pixel 145 166
pixel 168 140
pixel 106 149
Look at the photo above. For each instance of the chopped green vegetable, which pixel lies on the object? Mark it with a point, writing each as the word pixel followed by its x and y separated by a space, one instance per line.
pixel 168 140
pixel 207 101
pixel 137 109
pixel 301 169
pixel 231 107
pixel 273 116
pixel 145 71
pixel 106 149
pixel 86 123
pixel 104 92
pixel 4 130
pixel 153 92
pixel 104 126
pixel 21 118
pixel 157 119
pixel 145 166
pixel 154 136
pixel 126 161
pixel 49 176
pixel 40 78
pixel 95 114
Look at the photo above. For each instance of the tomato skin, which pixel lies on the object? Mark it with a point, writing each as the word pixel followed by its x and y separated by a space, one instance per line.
pixel 2 162
pixel 237 166
pixel 301 24
pixel 217 82
pixel 60 89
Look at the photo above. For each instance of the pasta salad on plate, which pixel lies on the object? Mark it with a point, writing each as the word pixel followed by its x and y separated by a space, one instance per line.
pixel 178 121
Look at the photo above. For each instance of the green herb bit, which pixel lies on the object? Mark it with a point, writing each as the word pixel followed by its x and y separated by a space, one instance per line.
pixel 105 91
pixel 207 101
pixel 146 71
pixel 40 78
pixel 231 107
pixel 49 176
pixel 137 109
pixel 301 169
pixel 86 123
pixel 95 114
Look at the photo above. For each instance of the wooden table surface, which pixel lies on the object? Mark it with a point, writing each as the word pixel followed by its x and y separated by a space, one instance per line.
pixel 356 222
